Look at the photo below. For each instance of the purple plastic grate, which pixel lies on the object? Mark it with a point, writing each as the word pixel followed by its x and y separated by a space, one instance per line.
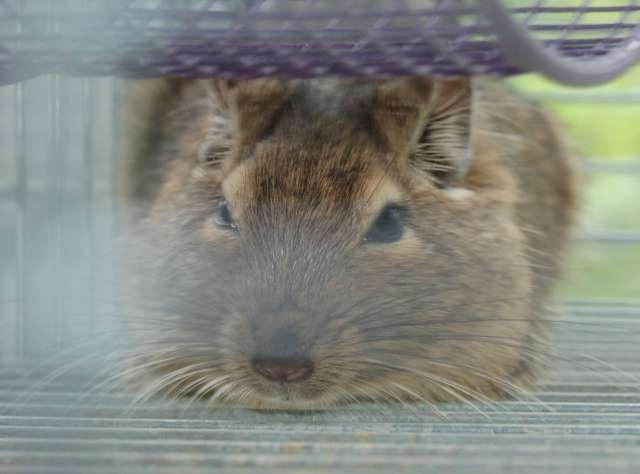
pixel 577 42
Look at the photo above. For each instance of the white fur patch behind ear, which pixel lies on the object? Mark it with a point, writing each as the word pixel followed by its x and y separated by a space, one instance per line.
pixel 459 194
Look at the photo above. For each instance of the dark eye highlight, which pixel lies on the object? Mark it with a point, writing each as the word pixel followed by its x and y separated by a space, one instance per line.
pixel 223 217
pixel 388 227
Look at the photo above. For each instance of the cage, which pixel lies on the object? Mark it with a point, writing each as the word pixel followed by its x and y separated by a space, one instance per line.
pixel 64 64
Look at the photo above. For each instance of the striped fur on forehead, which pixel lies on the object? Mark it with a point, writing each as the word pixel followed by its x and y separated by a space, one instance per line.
pixel 420 125
pixel 321 177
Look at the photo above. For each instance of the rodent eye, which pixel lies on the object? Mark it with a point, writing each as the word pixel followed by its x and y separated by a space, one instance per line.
pixel 223 217
pixel 388 227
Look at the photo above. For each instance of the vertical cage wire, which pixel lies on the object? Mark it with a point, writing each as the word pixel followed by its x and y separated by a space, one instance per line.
pixel 55 212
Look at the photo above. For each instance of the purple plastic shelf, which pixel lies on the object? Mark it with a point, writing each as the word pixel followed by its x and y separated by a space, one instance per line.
pixel 586 43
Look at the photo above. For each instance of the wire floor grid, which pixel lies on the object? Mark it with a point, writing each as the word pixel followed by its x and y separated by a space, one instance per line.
pixel 584 418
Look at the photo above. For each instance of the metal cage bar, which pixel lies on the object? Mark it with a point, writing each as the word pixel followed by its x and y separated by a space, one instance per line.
pixel 294 38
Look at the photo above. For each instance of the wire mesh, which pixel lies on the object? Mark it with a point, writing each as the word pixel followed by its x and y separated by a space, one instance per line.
pixel 55 210
pixel 57 231
pixel 572 41
pixel 583 419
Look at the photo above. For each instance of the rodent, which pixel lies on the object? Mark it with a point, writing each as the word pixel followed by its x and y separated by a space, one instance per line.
pixel 302 244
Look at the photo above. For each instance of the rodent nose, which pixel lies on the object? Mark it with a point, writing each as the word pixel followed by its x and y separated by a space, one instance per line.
pixel 292 369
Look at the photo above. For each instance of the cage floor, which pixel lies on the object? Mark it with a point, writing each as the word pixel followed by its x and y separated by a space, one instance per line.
pixel 585 418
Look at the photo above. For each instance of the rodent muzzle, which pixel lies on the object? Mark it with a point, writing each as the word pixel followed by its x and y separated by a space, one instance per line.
pixel 282 359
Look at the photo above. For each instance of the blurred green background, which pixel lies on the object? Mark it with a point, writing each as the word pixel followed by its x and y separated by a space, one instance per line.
pixel 603 124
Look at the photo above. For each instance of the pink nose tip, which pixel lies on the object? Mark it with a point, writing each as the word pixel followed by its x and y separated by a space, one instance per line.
pixel 293 370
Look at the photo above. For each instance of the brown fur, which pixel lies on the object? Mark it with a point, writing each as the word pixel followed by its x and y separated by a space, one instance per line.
pixel 453 310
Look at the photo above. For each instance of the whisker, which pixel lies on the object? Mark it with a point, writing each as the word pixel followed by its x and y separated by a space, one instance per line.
pixel 443 384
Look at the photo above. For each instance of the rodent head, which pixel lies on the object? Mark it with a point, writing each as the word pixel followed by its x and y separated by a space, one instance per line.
pixel 323 242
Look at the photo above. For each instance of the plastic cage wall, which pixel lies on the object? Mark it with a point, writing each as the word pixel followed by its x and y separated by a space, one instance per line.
pixel 59 136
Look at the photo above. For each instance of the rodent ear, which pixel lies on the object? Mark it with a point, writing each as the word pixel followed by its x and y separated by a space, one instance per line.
pixel 428 120
pixel 444 147
pixel 252 105
pixel 400 108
